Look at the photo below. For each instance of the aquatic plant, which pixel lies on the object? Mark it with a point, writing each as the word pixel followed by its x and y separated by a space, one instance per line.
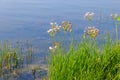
pixel 85 61
pixel 54 47
pixel 89 15
pixel 55 27
pixel 115 18
pixel 53 30
pixel 91 31
pixel 12 60
pixel 67 26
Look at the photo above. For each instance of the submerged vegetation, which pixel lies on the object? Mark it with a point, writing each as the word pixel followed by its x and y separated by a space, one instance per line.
pixel 16 62
pixel 13 59
pixel 89 59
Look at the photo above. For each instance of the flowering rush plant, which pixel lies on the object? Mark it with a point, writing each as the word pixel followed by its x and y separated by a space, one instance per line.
pixel 91 31
pixel 89 16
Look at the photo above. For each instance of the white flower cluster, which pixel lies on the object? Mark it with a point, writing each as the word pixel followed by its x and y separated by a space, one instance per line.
pixel 91 31
pixel 65 25
pixel 54 29
pixel 55 46
pixel 114 16
pixel 89 15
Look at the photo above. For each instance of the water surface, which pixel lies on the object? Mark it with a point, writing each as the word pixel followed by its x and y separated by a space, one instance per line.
pixel 29 19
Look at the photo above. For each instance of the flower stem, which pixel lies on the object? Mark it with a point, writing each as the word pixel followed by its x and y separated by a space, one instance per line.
pixel 116 31
pixel 90 22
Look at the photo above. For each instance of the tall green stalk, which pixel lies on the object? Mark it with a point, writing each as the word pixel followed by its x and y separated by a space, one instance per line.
pixel 116 31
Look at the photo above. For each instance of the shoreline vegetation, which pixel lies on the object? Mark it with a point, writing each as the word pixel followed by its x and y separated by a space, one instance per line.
pixel 87 60
pixel 17 62
pixel 13 58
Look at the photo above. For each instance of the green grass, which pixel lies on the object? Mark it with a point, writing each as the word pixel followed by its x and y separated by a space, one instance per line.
pixel 86 61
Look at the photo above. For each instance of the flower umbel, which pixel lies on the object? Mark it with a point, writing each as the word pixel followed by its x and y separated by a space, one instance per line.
pixel 91 31
pixel 67 26
pixel 55 46
pixel 54 29
pixel 51 32
pixel 89 15
pixel 114 16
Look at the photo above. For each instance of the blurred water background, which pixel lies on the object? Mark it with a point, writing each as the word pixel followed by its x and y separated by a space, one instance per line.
pixel 22 20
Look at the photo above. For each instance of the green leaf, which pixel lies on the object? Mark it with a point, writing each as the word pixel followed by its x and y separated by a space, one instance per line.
pixel 118 19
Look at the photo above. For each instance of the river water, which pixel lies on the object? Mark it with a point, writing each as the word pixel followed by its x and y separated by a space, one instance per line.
pixel 30 19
